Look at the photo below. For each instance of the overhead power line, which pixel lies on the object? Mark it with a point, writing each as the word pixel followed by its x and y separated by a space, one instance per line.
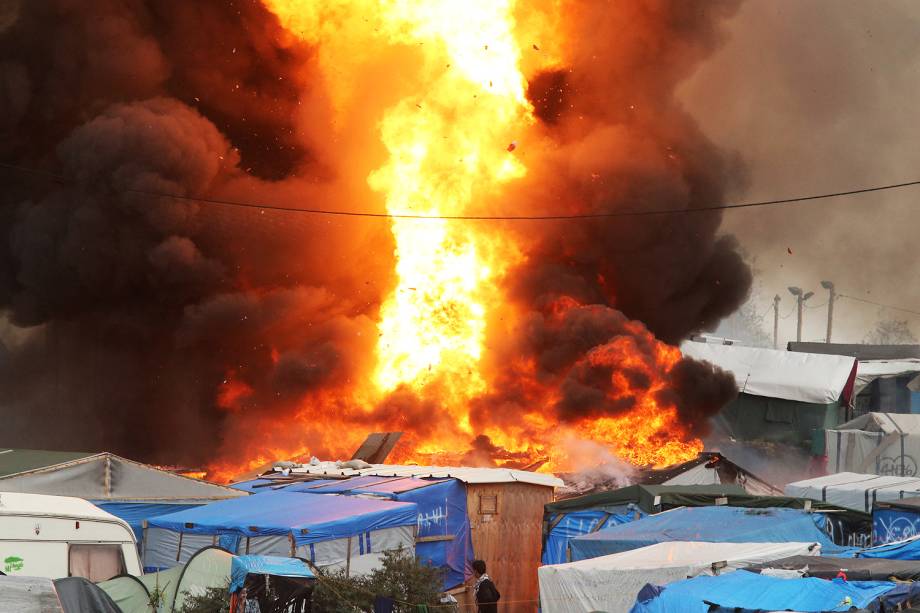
pixel 879 304
pixel 561 217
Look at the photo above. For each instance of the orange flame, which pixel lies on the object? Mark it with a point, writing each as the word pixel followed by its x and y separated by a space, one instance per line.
pixel 453 146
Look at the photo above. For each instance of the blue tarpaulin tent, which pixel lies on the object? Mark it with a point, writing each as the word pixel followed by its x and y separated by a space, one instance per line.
pixel 577 523
pixel 241 566
pixel 746 590
pixel 710 524
pixel 344 531
pixel 903 550
pixel 136 512
pixel 442 515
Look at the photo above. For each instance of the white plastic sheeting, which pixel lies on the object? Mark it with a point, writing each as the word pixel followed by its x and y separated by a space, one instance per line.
pixel 876 443
pixel 804 377
pixel 855 491
pixel 465 474
pixel 870 370
pixel 611 583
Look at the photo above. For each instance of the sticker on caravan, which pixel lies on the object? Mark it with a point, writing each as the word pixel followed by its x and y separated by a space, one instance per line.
pixel 12 563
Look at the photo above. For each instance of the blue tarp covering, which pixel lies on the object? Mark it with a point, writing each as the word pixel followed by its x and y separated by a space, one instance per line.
pixel 711 524
pixel 257 486
pixel 759 592
pixel 441 512
pixel 265 565
pixel 905 550
pixel 311 518
pixel 136 512
pixel 577 523
pixel 890 525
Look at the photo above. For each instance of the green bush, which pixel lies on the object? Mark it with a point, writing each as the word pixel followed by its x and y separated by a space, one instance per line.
pixel 214 600
pixel 401 578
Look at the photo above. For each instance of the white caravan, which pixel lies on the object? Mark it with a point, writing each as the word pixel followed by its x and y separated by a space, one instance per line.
pixel 60 536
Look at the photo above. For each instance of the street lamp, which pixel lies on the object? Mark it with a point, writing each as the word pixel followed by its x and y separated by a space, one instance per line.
pixel 800 300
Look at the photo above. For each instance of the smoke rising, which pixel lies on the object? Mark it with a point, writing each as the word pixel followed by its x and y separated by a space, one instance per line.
pixel 175 331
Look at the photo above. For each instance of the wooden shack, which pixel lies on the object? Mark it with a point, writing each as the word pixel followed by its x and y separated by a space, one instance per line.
pixel 505 509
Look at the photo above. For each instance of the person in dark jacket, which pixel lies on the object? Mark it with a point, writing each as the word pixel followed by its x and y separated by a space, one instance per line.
pixel 486 593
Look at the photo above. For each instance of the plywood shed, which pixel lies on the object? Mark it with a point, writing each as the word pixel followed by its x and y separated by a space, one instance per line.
pixel 505 509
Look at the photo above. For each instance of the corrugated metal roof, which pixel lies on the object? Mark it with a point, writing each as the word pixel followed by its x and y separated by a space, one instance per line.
pixel 13 461
pixel 465 474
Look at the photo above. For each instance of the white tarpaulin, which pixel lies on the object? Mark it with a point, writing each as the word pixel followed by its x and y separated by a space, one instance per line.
pixel 804 377
pixel 611 583
pixel 876 443
pixel 870 370
pixel 855 491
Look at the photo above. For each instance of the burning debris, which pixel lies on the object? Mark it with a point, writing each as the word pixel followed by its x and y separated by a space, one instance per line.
pixel 182 330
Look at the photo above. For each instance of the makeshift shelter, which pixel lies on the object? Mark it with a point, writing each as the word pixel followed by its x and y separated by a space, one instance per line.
pixel 784 396
pixel 708 468
pixel 751 591
pixel 28 595
pixel 855 569
pixel 566 519
pixel 505 511
pixel 277 584
pixel 855 491
pixel 898 550
pixel 207 568
pixel 338 531
pixel 895 521
pixel 127 489
pixel 610 583
pixel 711 524
pixel 876 443
pixel 443 538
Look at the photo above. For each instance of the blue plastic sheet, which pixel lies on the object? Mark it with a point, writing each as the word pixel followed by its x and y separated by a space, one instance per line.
pixel 310 518
pixel 136 512
pixel 441 513
pixel 894 524
pixel 241 566
pixel 904 550
pixel 578 523
pixel 712 524
pixel 747 590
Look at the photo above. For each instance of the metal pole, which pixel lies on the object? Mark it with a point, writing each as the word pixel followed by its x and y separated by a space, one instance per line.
pixel 830 313
pixel 798 327
pixel 776 321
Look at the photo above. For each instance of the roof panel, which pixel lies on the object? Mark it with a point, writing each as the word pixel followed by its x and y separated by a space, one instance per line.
pixel 14 461
pixel 465 474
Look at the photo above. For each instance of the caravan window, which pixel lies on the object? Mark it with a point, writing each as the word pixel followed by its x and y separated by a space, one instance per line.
pixel 95 562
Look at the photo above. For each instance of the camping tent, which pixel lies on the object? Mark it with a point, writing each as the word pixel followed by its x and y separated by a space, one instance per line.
pixel 712 524
pixel 207 568
pixel 80 595
pixel 855 569
pixel 855 491
pixel 784 396
pixel 28 595
pixel 610 583
pixel 342 531
pixel 126 489
pixel 746 590
pixel 877 443
pixel 895 521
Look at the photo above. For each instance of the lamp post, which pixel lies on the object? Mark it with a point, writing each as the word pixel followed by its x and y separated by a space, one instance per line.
pixel 830 307
pixel 801 297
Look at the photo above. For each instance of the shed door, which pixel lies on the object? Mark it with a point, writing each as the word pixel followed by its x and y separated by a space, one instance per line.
pixel 95 562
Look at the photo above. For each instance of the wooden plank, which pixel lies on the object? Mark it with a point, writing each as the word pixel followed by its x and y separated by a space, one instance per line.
pixel 510 541
pixel 434 539
pixel 376 447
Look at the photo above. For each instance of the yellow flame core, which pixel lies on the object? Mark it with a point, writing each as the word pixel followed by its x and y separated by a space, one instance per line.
pixel 448 147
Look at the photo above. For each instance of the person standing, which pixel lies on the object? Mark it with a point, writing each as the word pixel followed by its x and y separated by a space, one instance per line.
pixel 486 593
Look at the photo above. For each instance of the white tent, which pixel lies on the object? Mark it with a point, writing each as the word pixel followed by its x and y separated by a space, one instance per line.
pixel 855 491
pixel 804 377
pixel 611 583
pixel 870 370
pixel 876 443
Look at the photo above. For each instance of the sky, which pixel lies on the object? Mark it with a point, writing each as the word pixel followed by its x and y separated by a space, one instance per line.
pixel 814 97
